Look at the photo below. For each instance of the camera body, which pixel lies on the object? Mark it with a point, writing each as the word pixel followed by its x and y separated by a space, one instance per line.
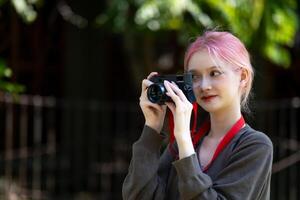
pixel 156 92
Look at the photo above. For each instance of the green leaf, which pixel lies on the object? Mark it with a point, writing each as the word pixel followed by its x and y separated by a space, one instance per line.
pixel 282 26
pixel 277 54
pixel 5 85
pixel 25 10
pixel 255 22
pixel 4 70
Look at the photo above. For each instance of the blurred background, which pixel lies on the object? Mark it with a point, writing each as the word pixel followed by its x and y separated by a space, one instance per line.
pixel 70 76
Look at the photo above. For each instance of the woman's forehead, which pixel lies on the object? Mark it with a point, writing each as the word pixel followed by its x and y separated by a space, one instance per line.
pixel 202 60
pixel 200 69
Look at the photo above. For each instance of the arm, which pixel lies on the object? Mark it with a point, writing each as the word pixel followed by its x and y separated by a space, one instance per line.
pixel 148 170
pixel 143 181
pixel 247 175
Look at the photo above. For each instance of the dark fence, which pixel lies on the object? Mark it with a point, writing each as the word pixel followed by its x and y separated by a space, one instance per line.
pixel 280 120
pixel 68 149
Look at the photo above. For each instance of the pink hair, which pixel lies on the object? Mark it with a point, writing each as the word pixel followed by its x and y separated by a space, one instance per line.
pixel 225 47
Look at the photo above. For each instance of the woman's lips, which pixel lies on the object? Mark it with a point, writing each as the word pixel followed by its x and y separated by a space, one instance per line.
pixel 208 98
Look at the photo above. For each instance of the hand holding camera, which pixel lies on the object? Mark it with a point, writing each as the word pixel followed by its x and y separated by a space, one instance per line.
pixel 155 96
pixel 179 101
pixel 157 92
pixel 154 113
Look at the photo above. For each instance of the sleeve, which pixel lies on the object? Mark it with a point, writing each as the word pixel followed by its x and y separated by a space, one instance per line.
pixel 148 169
pixel 246 176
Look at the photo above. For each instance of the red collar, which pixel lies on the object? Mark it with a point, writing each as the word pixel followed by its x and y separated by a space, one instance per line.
pixel 196 136
pixel 225 141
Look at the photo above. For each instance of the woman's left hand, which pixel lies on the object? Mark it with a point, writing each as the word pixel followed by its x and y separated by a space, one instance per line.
pixel 181 109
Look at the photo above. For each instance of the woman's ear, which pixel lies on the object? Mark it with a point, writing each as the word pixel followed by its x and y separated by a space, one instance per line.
pixel 244 77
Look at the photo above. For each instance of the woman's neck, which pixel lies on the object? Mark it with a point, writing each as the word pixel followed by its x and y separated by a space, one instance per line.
pixel 222 122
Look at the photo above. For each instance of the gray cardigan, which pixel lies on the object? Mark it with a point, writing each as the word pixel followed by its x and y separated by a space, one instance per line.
pixel 242 171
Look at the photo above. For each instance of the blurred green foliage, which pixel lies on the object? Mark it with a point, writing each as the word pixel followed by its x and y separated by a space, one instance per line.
pixel 25 8
pixel 267 26
pixel 5 84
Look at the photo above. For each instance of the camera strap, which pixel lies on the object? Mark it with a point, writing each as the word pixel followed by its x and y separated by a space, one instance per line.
pixel 226 140
pixel 204 128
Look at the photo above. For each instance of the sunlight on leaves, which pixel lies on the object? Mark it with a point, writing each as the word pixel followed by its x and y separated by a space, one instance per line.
pixel 242 17
pixel 147 12
pixel 199 15
pixel 277 54
pixel 4 71
pixel 282 28
pixel 25 10
pixel 267 26
pixel 177 7
pixel 153 25
pixel 169 14
pixel 5 85
pixel 67 13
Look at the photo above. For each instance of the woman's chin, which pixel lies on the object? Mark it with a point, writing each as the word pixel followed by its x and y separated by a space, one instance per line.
pixel 209 107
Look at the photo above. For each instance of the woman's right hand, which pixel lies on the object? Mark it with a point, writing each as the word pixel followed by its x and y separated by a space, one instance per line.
pixel 154 113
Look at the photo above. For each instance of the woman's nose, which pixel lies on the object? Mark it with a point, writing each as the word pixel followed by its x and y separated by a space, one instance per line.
pixel 203 84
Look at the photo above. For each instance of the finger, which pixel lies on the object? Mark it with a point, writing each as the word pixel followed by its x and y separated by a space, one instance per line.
pixel 171 93
pixel 149 104
pixel 145 84
pixel 152 74
pixel 178 91
pixel 171 106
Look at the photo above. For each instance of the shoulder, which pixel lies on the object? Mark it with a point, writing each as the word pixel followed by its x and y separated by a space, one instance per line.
pixel 252 137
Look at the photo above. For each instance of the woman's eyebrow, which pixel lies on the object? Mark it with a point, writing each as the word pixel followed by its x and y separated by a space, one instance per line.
pixel 191 71
pixel 213 67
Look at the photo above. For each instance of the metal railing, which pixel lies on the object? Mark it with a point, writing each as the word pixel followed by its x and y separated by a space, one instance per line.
pixel 74 149
pixel 280 120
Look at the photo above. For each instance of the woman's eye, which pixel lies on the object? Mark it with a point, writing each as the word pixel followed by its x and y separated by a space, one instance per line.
pixel 215 73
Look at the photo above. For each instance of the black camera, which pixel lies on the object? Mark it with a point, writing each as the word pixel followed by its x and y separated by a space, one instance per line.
pixel 157 92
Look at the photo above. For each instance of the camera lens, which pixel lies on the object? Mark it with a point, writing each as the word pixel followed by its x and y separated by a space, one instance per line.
pixel 156 93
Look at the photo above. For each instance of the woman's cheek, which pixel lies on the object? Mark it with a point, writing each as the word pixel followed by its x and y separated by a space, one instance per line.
pixel 196 93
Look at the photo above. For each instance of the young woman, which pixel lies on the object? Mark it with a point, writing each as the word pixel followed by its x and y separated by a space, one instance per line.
pixel 222 157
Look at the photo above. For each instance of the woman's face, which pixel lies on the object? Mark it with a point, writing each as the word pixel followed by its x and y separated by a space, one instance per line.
pixel 216 87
